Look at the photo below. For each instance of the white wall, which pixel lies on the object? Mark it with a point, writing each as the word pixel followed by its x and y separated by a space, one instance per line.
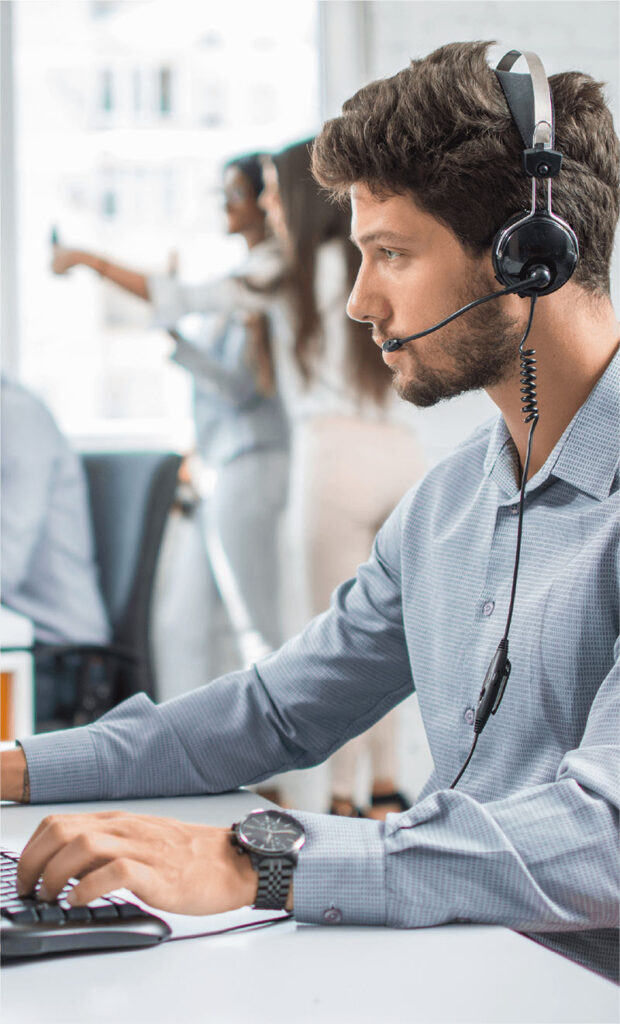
pixel 373 39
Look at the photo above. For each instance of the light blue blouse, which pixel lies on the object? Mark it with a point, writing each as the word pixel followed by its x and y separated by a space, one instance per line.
pixel 231 416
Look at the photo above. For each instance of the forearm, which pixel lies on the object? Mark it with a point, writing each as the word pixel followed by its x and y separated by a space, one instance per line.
pixel 194 744
pixel 15 779
pixel 452 858
pixel 130 280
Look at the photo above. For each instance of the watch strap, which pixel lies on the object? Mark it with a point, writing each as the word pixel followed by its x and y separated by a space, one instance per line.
pixel 274 882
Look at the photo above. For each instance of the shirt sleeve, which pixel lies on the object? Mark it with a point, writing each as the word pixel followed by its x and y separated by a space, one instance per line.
pixel 543 859
pixel 172 300
pixel 291 710
pixel 233 381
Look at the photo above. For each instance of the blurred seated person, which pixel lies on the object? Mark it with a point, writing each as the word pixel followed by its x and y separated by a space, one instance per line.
pixel 48 570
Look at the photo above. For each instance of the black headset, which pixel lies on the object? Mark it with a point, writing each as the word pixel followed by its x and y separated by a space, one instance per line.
pixel 538 238
pixel 535 252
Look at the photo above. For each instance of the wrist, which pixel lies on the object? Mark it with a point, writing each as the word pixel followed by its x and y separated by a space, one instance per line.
pixel 271 840
pixel 248 879
pixel 246 875
pixel 15 778
pixel 89 259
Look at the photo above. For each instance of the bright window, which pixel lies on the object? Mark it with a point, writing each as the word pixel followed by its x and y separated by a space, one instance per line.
pixel 124 113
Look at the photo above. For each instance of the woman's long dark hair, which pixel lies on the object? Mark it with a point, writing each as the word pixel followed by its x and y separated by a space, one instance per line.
pixel 312 219
pixel 259 353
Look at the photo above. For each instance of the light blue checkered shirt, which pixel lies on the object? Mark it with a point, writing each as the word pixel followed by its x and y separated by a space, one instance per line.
pixel 528 839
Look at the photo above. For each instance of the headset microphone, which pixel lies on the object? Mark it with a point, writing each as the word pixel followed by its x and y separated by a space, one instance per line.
pixel 538 278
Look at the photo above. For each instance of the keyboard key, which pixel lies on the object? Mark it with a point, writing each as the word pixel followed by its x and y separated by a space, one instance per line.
pixel 129 910
pixel 78 914
pixel 15 904
pixel 51 913
pixel 27 915
pixel 104 913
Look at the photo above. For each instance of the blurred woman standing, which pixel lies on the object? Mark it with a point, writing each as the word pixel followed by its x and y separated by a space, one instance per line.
pixel 241 431
pixel 354 449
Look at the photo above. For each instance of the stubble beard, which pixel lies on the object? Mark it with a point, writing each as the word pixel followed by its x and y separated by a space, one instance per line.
pixel 482 352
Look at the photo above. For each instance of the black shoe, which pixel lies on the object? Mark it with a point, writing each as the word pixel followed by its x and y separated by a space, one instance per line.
pixel 397 797
pixel 352 811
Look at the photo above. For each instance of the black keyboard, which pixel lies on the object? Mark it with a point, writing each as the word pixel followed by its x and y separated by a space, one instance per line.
pixel 33 928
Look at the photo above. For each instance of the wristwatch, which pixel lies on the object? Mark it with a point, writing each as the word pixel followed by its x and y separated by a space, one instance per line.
pixel 273 840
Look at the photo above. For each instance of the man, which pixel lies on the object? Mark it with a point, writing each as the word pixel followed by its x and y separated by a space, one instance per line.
pixel 527 839
pixel 48 571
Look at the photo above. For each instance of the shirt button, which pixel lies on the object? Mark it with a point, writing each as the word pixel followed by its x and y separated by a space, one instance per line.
pixel 332 916
pixel 470 716
pixel 514 510
pixel 487 608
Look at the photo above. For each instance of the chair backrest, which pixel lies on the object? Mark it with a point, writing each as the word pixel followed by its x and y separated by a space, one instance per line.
pixel 130 495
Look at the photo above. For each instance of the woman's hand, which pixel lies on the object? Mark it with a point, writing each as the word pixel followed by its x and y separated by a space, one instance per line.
pixel 181 868
pixel 64 259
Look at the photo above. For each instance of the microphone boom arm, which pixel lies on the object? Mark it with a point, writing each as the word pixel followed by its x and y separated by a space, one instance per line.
pixel 539 278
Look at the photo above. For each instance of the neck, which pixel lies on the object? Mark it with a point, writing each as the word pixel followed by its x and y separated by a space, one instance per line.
pixel 575 337
pixel 254 234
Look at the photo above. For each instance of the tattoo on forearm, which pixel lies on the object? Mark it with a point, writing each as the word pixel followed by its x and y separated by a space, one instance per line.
pixel 26 787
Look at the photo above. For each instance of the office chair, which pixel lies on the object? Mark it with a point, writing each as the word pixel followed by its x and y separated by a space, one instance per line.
pixel 130 497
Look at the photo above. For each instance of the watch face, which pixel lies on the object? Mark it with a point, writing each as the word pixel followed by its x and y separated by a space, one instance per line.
pixel 271 832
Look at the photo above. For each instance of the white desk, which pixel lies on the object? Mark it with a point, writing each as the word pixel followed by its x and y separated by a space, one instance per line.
pixel 292 974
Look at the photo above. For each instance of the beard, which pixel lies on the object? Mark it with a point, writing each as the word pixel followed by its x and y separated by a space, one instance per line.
pixel 482 352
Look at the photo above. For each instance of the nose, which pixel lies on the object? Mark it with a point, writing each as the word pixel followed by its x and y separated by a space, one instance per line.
pixel 365 302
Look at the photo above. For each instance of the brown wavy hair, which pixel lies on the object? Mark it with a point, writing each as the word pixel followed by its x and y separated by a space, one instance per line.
pixel 313 218
pixel 441 130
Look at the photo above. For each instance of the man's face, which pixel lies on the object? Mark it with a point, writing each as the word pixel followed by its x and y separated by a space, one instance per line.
pixel 414 273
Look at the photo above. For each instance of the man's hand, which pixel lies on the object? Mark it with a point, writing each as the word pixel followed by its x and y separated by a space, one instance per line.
pixel 14 784
pixel 185 869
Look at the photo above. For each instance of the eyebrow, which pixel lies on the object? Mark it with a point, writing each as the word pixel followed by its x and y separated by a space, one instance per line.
pixel 393 237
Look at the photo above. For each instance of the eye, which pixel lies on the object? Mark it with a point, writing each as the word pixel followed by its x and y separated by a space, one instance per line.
pixel 390 254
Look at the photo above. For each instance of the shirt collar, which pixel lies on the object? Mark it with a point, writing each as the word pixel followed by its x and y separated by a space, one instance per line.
pixel 586 456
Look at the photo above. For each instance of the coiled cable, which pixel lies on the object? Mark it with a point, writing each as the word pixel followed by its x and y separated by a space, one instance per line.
pixel 499 669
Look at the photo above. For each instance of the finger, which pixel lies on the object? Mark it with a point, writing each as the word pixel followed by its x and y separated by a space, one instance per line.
pixel 52 834
pixel 85 822
pixel 82 855
pixel 122 873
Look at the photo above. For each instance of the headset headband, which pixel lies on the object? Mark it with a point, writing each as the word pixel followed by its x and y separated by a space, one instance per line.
pixel 536 248
pixel 530 103
pixel 542 131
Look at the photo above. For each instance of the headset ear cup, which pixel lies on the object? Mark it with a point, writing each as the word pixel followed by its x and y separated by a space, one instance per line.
pixel 535 239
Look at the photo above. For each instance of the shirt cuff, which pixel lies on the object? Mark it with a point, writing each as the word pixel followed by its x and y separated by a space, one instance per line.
pixel 62 763
pixel 340 874
pixel 163 293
